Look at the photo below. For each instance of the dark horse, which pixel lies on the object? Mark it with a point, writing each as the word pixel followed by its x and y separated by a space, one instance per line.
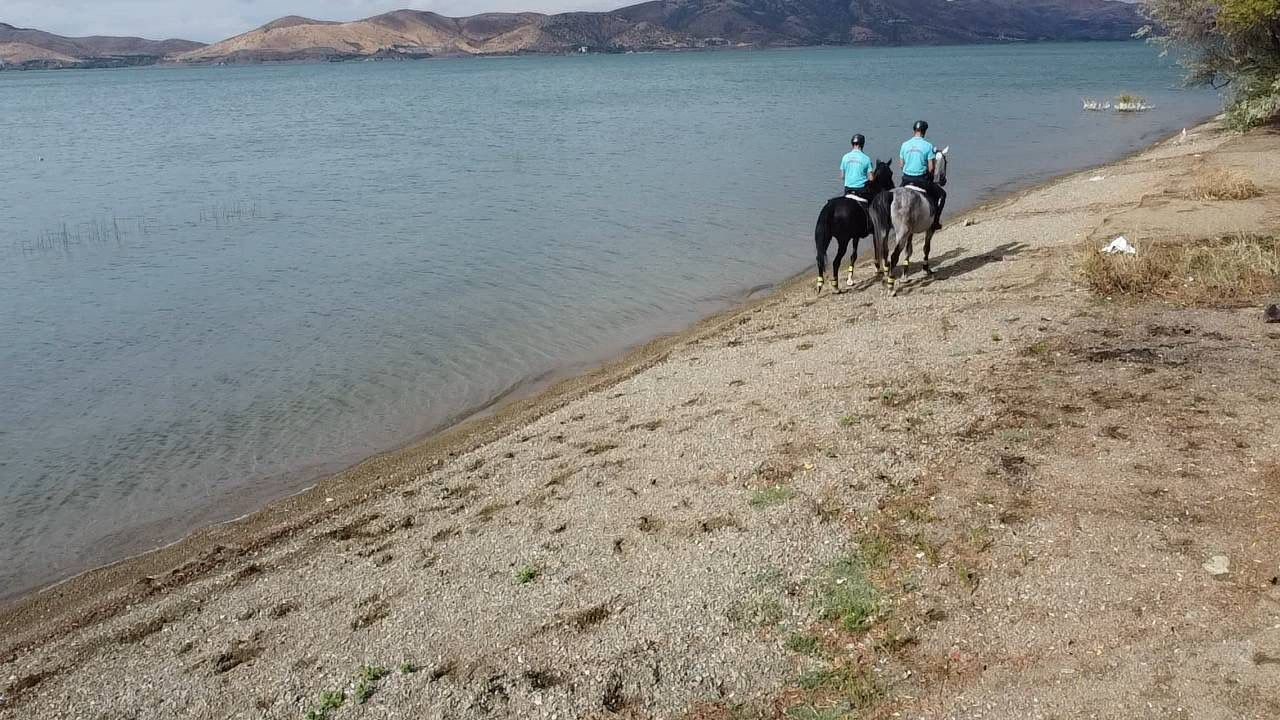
pixel 847 220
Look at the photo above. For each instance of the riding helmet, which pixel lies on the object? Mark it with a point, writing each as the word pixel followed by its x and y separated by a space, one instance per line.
pixel 920 126
pixel 858 140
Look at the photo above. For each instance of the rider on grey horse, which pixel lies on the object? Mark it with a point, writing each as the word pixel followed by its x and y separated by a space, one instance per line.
pixel 857 170
pixel 918 167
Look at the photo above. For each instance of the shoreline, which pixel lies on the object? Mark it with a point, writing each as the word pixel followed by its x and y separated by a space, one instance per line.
pixel 165 63
pixel 800 503
pixel 534 396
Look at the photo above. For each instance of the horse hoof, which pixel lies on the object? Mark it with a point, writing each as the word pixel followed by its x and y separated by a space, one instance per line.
pixel 928 271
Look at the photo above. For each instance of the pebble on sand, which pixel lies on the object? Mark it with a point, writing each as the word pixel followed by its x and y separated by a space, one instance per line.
pixel 1218 565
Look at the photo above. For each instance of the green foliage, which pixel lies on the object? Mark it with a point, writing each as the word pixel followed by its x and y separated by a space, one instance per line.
pixel 848 596
pixel 1231 44
pixel 770 496
pixel 329 702
pixel 803 644
pixel 1239 15
pixel 837 693
pixel 757 610
pixel 527 574
pixel 367 682
pixel 1256 103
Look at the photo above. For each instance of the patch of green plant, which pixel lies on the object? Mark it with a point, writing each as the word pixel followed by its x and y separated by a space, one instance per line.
pixel 847 595
pixel 770 577
pixel 850 420
pixel 759 611
pixel 770 496
pixel 527 574
pixel 837 692
pixel 367 682
pixel 803 643
pixel 875 550
pixel 330 701
pixel 408 668
pixel 809 712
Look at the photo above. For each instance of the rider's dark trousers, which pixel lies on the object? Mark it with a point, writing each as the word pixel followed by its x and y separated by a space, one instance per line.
pixel 936 193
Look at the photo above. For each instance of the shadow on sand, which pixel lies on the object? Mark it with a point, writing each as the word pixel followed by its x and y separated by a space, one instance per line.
pixel 946 267
pixel 957 268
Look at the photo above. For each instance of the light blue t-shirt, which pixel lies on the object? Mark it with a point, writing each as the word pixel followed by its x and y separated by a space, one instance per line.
pixel 916 154
pixel 856 166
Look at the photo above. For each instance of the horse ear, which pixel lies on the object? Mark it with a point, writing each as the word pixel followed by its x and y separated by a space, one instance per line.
pixel 945 150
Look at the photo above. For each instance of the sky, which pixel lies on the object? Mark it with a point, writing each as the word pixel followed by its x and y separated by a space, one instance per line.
pixel 211 20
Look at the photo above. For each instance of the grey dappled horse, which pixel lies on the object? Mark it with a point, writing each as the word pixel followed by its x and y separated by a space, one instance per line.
pixel 905 212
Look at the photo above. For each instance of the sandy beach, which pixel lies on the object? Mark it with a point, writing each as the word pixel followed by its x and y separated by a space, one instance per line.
pixel 999 494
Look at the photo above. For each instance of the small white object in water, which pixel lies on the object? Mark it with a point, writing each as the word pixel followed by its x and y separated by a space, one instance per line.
pixel 1120 246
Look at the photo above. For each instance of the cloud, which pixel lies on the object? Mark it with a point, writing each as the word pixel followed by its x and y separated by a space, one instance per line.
pixel 210 20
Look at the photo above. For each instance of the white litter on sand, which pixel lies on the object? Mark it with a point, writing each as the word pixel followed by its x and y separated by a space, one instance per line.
pixel 1120 246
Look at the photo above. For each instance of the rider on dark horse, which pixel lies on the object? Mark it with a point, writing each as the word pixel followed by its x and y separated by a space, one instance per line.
pixel 918 164
pixel 858 171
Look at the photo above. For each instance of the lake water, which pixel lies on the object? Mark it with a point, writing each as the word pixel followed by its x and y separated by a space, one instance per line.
pixel 217 283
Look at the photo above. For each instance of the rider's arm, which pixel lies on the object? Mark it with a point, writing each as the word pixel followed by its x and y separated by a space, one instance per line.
pixel 933 166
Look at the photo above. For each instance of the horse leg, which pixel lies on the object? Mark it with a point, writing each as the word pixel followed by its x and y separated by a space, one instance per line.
pixel 928 239
pixel 842 246
pixel 879 245
pixel 823 244
pixel 853 258
pixel 900 241
pixel 906 266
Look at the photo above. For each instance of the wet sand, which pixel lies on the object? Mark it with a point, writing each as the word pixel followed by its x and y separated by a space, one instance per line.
pixel 671 535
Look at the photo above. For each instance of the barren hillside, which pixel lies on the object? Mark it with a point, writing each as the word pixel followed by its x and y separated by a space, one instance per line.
pixel 23 47
pixel 681 24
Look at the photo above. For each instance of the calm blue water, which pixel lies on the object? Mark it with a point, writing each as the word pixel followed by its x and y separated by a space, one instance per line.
pixel 217 282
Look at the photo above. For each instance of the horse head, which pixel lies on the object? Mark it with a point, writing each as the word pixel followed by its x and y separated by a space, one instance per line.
pixel 941 159
pixel 884 176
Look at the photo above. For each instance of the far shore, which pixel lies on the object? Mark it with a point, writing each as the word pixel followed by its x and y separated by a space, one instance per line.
pixel 134 62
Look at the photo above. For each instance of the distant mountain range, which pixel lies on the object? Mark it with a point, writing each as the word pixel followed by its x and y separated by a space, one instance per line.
pixel 657 25
pixel 28 49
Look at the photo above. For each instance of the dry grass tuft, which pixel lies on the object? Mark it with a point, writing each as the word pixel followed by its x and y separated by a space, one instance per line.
pixel 1223 185
pixel 1229 271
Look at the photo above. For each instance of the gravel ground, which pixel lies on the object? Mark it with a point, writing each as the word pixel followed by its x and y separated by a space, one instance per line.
pixel 1033 480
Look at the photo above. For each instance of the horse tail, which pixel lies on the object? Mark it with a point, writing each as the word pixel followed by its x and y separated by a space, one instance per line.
pixel 878 210
pixel 822 233
pixel 881 224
